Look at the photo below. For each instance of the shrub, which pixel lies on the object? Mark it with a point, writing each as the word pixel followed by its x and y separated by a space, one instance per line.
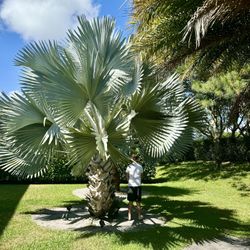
pixel 231 149
pixel 58 172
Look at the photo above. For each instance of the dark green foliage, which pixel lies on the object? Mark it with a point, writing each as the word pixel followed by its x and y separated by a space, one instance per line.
pixel 223 98
pixel 231 149
pixel 235 150
pixel 149 172
pixel 6 177
pixel 161 25
pixel 58 172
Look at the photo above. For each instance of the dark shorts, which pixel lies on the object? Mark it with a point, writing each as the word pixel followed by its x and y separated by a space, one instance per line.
pixel 134 194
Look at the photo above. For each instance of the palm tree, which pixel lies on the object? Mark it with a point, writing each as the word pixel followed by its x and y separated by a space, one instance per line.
pixel 211 11
pixel 208 36
pixel 91 98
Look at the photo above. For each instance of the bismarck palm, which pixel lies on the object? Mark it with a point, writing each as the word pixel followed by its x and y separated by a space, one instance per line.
pixel 90 98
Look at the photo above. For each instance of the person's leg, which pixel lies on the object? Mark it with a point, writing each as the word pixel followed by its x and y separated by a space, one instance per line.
pixel 130 204
pixel 138 202
pixel 138 206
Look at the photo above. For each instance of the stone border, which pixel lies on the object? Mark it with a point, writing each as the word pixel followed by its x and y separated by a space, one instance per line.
pixel 78 219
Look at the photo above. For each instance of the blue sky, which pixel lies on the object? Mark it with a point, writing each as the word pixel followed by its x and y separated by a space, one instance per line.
pixel 23 21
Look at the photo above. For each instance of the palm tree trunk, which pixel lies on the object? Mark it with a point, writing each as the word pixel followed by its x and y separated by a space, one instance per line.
pixel 116 179
pixel 101 192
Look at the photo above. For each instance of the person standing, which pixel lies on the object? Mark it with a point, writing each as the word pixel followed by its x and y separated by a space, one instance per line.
pixel 134 175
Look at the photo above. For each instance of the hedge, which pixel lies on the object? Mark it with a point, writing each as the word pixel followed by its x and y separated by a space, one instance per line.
pixel 230 149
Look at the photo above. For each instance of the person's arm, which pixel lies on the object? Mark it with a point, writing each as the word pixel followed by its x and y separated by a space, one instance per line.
pixel 141 173
pixel 141 176
pixel 127 174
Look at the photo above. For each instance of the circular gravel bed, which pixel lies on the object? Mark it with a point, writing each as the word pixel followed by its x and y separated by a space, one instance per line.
pixel 78 219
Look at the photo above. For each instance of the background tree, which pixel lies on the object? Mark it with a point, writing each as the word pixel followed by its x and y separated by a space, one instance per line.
pixel 218 96
pixel 164 33
pixel 89 98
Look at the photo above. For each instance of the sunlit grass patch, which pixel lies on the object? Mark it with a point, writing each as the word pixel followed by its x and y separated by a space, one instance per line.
pixel 199 206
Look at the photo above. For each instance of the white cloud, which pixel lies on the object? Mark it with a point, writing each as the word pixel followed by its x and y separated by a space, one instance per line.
pixel 44 19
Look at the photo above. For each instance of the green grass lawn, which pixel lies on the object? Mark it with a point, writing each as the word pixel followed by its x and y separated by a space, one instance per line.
pixel 200 204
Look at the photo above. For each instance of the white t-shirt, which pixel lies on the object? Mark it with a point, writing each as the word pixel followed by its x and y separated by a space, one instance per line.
pixel 134 170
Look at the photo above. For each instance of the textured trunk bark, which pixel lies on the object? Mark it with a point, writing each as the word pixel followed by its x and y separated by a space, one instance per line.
pixel 217 153
pixel 116 179
pixel 101 192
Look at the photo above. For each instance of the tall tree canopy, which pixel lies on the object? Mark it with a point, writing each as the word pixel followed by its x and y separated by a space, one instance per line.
pixel 218 96
pixel 212 34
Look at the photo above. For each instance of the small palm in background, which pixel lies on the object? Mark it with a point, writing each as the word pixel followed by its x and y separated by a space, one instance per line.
pixel 91 98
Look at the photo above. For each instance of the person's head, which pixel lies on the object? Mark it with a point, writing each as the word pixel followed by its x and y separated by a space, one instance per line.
pixel 135 157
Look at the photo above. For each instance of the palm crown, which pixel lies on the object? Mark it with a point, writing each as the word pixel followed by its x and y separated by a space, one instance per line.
pixel 90 96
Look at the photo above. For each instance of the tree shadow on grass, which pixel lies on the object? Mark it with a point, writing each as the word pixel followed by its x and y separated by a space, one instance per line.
pixel 200 170
pixel 64 209
pixel 10 197
pixel 188 222
pixel 165 190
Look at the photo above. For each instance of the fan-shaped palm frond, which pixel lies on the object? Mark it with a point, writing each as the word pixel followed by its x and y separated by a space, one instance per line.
pixel 81 146
pixel 38 79
pixel 102 56
pixel 162 117
pixel 118 130
pixel 29 139
pixel 19 112
pixel 134 84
